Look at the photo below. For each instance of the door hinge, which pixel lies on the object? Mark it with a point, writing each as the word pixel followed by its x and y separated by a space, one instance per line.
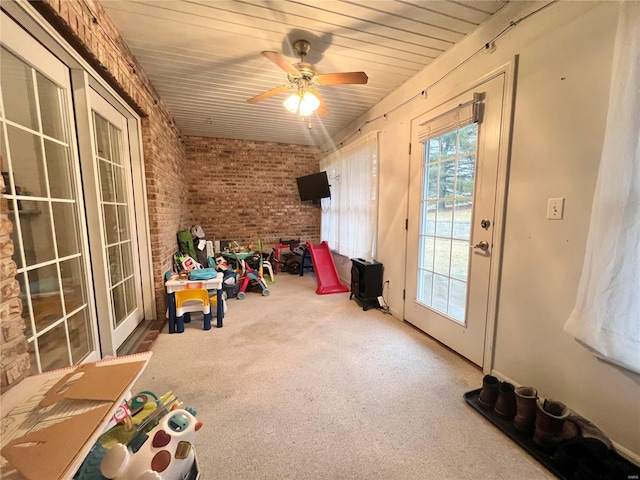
pixel 404 292
pixel 406 224
pixel 409 148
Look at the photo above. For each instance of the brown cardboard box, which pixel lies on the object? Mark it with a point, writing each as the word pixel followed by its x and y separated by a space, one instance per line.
pixel 50 421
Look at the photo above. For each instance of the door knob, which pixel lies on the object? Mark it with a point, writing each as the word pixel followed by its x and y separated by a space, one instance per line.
pixel 483 245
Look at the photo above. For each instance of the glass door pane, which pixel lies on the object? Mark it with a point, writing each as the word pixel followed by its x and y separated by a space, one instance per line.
pixel 448 180
pixel 45 208
pixel 115 207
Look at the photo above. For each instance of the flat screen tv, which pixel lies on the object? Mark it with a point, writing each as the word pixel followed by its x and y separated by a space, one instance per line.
pixel 313 187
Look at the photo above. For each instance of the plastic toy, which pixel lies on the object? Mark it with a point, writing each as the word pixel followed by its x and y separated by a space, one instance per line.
pixel 250 275
pixel 164 453
pixel 142 406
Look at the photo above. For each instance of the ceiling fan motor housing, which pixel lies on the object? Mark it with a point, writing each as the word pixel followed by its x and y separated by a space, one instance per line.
pixel 307 72
pixel 301 48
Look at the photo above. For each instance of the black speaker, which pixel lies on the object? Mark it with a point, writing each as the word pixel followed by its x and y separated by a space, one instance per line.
pixel 366 282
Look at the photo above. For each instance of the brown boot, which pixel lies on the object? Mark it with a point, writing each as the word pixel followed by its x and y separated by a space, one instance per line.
pixel 506 403
pixel 489 392
pixel 526 399
pixel 550 418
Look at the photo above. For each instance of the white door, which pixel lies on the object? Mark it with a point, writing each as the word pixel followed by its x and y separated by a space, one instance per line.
pixel 44 193
pixel 114 248
pixel 452 203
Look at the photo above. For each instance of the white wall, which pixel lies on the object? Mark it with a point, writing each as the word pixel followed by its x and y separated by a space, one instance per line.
pixel 564 66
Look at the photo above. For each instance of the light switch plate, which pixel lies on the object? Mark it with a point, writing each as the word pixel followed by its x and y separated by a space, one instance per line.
pixel 555 208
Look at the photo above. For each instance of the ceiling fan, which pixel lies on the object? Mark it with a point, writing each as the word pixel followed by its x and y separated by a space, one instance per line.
pixel 303 76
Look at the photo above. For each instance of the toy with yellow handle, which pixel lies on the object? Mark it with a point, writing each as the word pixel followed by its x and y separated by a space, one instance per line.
pixel 164 453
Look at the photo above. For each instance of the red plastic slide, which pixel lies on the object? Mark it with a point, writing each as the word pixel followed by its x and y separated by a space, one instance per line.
pixel 325 269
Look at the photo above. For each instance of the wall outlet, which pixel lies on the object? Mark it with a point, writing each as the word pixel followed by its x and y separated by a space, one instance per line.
pixel 555 209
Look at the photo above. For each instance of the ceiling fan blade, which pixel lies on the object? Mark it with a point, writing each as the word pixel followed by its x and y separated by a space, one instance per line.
pixel 322 110
pixel 344 78
pixel 282 62
pixel 269 93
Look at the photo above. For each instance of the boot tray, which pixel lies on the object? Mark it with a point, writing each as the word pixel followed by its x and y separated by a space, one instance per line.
pixel 525 441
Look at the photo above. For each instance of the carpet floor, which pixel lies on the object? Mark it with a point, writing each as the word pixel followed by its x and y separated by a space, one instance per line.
pixel 304 386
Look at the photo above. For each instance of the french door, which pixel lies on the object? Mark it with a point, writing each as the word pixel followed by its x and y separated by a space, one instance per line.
pixel 452 214
pixel 114 247
pixel 44 195
pixel 68 175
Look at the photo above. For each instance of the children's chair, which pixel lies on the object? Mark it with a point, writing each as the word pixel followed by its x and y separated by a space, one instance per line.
pixel 266 264
pixel 192 300
pixel 213 300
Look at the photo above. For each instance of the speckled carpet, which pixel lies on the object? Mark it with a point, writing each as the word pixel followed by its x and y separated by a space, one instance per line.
pixel 304 386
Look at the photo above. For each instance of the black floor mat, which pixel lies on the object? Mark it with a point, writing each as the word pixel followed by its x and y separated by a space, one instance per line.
pixel 544 456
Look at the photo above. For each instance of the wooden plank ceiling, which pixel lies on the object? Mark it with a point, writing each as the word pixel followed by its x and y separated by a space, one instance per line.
pixel 203 57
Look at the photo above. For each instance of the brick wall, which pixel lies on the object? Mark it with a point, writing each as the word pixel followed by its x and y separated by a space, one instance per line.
pixel 14 358
pixel 262 202
pixel 242 190
pixel 87 27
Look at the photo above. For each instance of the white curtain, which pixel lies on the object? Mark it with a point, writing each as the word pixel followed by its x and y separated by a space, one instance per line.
pixel 606 316
pixel 349 218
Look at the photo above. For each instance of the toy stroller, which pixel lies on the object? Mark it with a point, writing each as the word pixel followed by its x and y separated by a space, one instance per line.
pixel 251 275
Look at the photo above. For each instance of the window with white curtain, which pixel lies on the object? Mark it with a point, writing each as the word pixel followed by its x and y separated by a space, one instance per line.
pixel 606 316
pixel 349 218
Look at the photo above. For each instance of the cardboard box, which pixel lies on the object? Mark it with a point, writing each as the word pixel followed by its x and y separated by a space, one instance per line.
pixel 50 421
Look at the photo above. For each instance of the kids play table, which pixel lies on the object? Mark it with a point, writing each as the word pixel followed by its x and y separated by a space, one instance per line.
pixel 175 284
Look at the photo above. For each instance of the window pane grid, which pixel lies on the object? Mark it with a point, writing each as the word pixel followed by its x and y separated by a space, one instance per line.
pixel 114 205
pixel 36 241
pixel 448 178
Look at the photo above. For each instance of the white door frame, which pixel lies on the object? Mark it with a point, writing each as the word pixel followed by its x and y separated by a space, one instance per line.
pixel 509 70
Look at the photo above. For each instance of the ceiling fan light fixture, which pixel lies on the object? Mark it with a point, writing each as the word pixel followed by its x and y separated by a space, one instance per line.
pixel 304 103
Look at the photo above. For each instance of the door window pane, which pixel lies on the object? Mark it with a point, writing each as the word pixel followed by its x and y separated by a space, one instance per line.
pixel 16 79
pixel 80 335
pixel 115 264
pixel 45 296
pixel 447 175
pixel 107 187
pixel 35 229
pixel 73 285
pixel 459 259
pixel 468 138
pixel 465 175
pixel 462 220
pixel 442 256
pixel 123 223
pixel 115 137
pixel 445 227
pixel 25 150
pixel 111 223
pixel 65 218
pixel 130 294
pixel 119 304
pixel 61 184
pixel 444 215
pixel 440 292
pixel 50 108
pixel 457 299
pixel 127 261
pixel 103 147
pixel 425 286
pixel 426 253
pixel 53 350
